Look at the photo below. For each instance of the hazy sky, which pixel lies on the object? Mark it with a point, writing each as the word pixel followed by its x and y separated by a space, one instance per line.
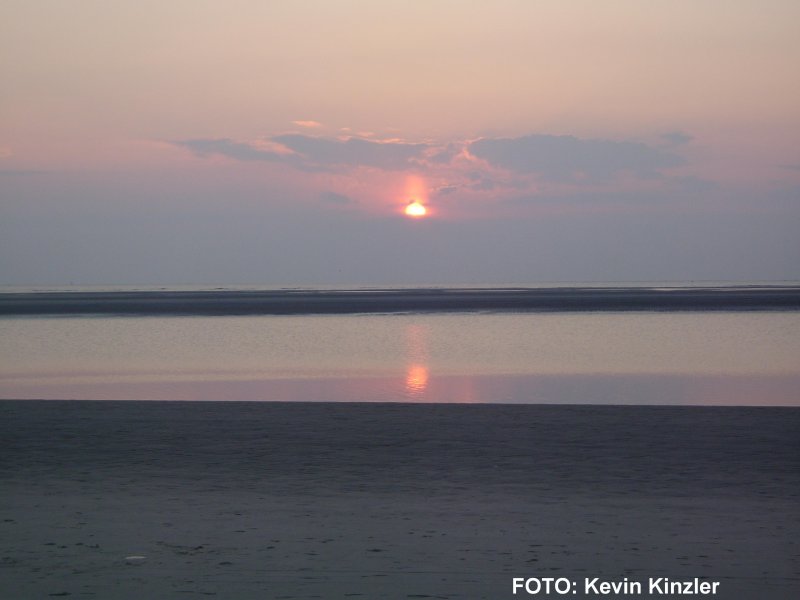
pixel 191 141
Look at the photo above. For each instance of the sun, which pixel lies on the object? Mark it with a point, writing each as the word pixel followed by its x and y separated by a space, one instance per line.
pixel 416 209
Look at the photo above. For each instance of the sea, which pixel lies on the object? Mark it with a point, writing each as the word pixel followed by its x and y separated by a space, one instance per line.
pixel 728 357
pixel 395 455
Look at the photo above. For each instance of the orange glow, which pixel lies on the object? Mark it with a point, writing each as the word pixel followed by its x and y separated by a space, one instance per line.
pixel 416 380
pixel 416 191
pixel 416 209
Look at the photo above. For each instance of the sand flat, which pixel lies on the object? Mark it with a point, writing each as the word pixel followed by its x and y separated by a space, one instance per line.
pixel 269 500
pixel 293 302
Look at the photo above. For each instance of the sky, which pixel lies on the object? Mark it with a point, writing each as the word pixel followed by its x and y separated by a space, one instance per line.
pixel 250 142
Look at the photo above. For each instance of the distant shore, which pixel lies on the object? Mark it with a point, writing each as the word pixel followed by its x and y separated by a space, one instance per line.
pixel 295 302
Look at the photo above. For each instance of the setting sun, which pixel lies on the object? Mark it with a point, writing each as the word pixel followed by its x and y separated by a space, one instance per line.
pixel 416 209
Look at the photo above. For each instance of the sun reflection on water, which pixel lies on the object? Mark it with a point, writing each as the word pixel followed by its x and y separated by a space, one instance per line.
pixel 417 372
pixel 416 380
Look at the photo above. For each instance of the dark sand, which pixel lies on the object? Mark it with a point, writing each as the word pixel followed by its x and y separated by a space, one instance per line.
pixel 264 501
pixel 283 302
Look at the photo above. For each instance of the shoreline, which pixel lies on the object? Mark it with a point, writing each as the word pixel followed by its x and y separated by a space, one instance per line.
pixel 9 403
pixel 300 302
pixel 621 390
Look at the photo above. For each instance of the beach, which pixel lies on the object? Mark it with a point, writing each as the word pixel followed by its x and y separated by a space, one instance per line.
pixel 123 500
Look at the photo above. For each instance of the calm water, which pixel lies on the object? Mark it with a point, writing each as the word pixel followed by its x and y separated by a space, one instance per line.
pixel 621 358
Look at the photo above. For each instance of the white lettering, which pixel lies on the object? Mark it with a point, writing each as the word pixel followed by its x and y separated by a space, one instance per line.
pixel 563 585
pixel 663 586
pixel 518 582
pixel 595 586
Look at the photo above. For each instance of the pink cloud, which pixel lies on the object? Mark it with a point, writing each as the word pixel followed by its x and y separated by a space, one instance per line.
pixel 309 124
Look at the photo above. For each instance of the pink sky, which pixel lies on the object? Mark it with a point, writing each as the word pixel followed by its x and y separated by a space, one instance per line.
pixel 486 111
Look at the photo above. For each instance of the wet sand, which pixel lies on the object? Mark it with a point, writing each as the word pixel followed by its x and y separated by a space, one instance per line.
pixel 124 500
pixel 286 302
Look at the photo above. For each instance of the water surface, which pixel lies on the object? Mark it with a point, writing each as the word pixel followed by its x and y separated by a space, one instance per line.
pixel 748 358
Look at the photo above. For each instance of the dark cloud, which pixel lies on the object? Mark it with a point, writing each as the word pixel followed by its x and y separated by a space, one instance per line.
pixel 587 197
pixel 444 154
pixel 677 138
pixel 480 182
pixel 338 199
pixel 693 185
pixel 314 153
pixel 566 158
pixel 446 189
pixel 229 148
pixel 482 185
pixel 353 152
pixel 553 158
